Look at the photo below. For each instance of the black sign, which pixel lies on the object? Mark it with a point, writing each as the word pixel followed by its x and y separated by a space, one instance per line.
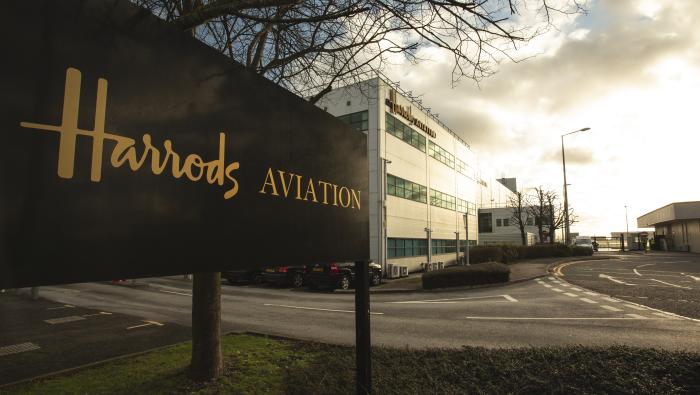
pixel 131 149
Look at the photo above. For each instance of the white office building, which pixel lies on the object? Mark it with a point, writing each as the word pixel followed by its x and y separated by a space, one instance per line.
pixel 423 177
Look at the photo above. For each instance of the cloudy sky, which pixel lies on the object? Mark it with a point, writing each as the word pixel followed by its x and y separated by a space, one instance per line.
pixel 628 69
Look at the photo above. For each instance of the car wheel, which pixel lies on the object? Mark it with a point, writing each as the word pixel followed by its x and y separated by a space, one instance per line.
pixel 376 278
pixel 298 280
pixel 344 282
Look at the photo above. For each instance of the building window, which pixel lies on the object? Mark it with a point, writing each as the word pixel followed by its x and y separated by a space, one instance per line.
pixel 441 154
pixel 406 189
pixel 444 246
pixel 498 222
pixel 463 168
pixel 404 132
pixel 463 206
pixel 443 200
pixel 505 222
pixel 357 120
pixel 397 248
pixel 485 224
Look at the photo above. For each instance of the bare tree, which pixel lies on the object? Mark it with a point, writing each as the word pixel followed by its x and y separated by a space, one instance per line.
pixel 556 212
pixel 519 204
pixel 539 210
pixel 311 46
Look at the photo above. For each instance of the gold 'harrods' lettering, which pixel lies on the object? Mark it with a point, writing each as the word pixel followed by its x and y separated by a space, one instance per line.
pixel 405 111
pixel 293 186
pixel 193 167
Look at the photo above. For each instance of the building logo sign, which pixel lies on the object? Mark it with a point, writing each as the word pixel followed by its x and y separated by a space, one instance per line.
pixel 188 163
pixel 405 112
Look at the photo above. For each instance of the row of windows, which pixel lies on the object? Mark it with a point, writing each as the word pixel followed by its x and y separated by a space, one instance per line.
pixel 397 248
pixel 439 199
pixel 463 168
pixel 399 187
pixel 357 120
pixel 441 154
pixel 404 132
pixel 406 189
pixel 406 247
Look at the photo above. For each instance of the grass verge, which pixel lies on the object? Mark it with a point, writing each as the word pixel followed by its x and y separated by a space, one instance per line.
pixel 260 365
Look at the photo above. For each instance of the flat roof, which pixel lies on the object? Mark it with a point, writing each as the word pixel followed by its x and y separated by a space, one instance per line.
pixel 669 213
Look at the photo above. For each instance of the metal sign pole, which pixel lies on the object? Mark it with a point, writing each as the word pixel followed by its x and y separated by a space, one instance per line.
pixel 363 356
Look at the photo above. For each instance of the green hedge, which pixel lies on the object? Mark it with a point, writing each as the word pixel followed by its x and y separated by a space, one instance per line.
pixel 455 276
pixel 508 253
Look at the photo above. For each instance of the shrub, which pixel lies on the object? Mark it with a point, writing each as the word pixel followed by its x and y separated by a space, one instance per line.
pixel 455 276
pixel 544 251
pixel 581 251
pixel 479 254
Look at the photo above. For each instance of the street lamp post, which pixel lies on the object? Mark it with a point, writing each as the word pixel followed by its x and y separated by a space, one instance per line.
pixel 627 226
pixel 566 198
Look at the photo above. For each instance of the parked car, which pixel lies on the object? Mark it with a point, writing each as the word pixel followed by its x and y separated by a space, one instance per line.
pixel 338 275
pixel 285 275
pixel 252 276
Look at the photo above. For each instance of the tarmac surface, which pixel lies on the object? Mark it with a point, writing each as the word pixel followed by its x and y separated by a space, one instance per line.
pixel 536 309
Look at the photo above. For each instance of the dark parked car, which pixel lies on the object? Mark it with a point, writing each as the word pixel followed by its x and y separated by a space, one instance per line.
pixel 338 275
pixel 285 275
pixel 252 276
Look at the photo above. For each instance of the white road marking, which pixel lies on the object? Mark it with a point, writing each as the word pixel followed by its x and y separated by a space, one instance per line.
pixel 547 285
pixel 564 285
pixel 634 306
pixel 693 277
pixel 557 318
pixel 176 293
pixel 454 300
pixel 606 307
pixel 611 300
pixel 557 290
pixel 636 316
pixel 63 320
pixel 576 289
pixel 613 279
pixel 147 323
pixel 551 278
pixel 65 306
pixel 662 315
pixel 588 300
pixel 636 272
pixel 676 262
pixel 100 313
pixel 673 285
pixel 591 293
pixel 18 348
pixel 570 294
pixel 315 308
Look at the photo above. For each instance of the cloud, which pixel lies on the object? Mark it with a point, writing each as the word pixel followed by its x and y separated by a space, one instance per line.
pixel 579 156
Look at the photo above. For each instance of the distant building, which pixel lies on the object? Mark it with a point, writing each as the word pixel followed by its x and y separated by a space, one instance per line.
pixel 496 226
pixel 677 226
pixel 510 183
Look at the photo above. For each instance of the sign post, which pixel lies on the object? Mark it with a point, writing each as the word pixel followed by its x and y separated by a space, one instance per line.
pixel 363 343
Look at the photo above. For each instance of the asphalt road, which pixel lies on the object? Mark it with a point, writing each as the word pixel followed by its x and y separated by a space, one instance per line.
pixel 665 281
pixel 540 312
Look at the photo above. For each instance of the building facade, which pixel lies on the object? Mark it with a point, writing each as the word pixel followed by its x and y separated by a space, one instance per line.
pixel 425 182
pixel 497 226
pixel 677 226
